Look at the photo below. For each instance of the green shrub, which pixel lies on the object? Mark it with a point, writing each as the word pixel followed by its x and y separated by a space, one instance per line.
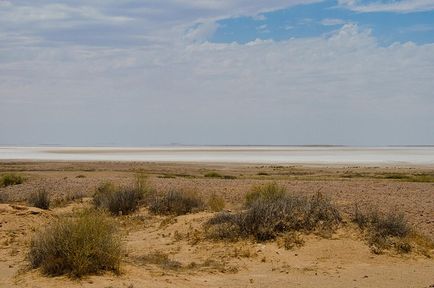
pixel 86 243
pixel 268 191
pixel 268 217
pixel 118 200
pixel 11 179
pixel 175 203
pixel 216 203
pixel 40 199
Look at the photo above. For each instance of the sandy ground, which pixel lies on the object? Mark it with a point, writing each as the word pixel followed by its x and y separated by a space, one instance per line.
pixel 344 260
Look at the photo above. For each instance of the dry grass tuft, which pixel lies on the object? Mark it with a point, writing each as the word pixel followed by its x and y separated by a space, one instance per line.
pixel 40 199
pixel 269 191
pixel 176 202
pixel 291 240
pixel 11 179
pixel 121 201
pixel 3 197
pixel 86 243
pixel 216 203
pixel 388 231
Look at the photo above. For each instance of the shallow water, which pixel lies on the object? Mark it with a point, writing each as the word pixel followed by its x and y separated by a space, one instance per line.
pixel 229 154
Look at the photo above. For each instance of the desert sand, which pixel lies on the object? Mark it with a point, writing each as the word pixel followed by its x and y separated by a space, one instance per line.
pixel 341 260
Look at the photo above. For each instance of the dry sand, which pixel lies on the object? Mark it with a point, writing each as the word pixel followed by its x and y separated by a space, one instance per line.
pixel 344 260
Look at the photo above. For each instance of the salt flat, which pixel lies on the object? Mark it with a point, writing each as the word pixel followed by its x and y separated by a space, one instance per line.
pixel 230 154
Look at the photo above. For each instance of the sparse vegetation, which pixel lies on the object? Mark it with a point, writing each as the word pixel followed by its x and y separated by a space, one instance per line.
pixel 40 199
pixel 274 214
pixel 123 200
pixel 218 175
pixel 291 240
pixel 86 243
pixel 229 177
pixel 11 179
pixel 117 200
pixel 262 174
pixel 269 191
pixel 175 202
pixel 3 198
pixel 213 175
pixel 384 230
pixel 216 203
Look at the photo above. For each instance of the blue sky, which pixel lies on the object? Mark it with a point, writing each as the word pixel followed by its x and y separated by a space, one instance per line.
pixel 318 19
pixel 146 72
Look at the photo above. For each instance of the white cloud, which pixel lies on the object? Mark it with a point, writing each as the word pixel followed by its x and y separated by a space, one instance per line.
pixel 400 6
pixel 342 89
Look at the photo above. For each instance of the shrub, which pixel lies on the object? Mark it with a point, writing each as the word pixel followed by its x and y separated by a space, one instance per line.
pixel 141 183
pixel 224 226
pixel 83 244
pixel 11 179
pixel 117 200
pixel 262 174
pixel 3 198
pixel 291 240
pixel 268 191
pixel 40 199
pixel 213 175
pixel 384 230
pixel 216 203
pixel 268 217
pixel 176 203
pixel 229 177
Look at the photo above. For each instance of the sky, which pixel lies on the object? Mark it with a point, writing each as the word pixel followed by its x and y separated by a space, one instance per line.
pixel 216 72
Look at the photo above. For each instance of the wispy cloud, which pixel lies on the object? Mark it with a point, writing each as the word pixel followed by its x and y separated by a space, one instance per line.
pixel 332 22
pixel 400 6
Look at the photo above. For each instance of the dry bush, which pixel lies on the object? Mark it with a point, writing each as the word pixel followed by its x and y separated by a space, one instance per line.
pixel 268 217
pixel 85 243
pixel 122 200
pixel 216 203
pixel 268 191
pixel 40 199
pixel 175 202
pixel 224 226
pixel 11 179
pixel 213 175
pixel 3 198
pixel 291 240
pixel 384 230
